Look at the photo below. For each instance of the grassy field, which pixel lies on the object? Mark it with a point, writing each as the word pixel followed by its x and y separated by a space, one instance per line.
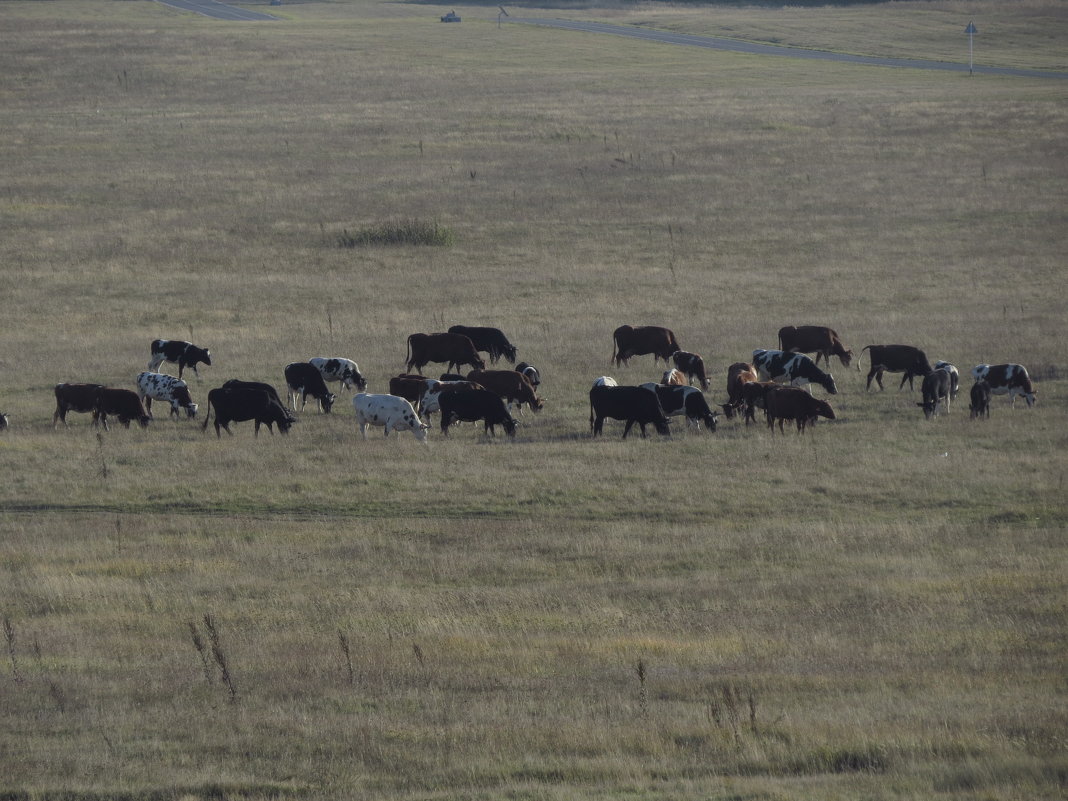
pixel 874 610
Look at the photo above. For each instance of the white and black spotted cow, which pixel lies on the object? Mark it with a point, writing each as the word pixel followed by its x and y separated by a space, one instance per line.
pixel 166 388
pixel 389 411
pixel 184 354
pixel 344 371
pixel 954 376
pixel 795 369
pixel 1010 379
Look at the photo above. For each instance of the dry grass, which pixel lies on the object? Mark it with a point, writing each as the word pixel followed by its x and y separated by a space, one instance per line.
pixel 874 610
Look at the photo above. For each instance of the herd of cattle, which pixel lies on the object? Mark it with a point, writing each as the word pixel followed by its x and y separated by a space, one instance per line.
pixel 775 381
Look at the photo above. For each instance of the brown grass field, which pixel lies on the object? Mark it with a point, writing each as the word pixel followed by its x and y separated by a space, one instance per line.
pixel 873 610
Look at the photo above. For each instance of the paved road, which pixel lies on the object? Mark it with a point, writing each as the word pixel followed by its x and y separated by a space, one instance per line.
pixel 211 8
pixel 717 43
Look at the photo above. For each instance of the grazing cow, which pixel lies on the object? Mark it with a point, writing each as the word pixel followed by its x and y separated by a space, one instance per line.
pixel 478 404
pixel 673 378
pixel 391 412
pixel 791 403
pixel 1011 379
pixel 452 349
pixel 166 388
pixel 490 341
pixel 510 385
pixel 75 398
pixel 302 378
pixel 980 397
pixel 692 366
pixel 123 404
pixel 605 381
pixel 409 387
pixel 631 404
pixel 753 396
pixel 794 368
pixel 5 422
pixel 896 359
pixel 954 376
pixel 738 374
pixel 937 388
pixel 818 339
pixel 628 341
pixel 452 377
pixel 186 354
pixel 237 383
pixel 431 400
pixel 236 404
pixel 683 399
pixel 344 371
pixel 530 372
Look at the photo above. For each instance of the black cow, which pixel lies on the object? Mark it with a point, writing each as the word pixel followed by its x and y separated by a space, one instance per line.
pixel 237 383
pixel 980 397
pixel 124 404
pixel 692 366
pixel 186 354
pixel 304 379
pixel 937 388
pixel 236 404
pixel 629 341
pixel 684 400
pixel 896 359
pixel 631 404
pixel 448 348
pixel 474 405
pixel 75 398
pixel 490 341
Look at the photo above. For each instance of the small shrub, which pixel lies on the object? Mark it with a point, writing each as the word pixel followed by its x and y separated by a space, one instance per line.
pixel 410 232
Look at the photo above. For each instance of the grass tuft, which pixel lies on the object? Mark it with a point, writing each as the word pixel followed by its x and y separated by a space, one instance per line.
pixel 406 232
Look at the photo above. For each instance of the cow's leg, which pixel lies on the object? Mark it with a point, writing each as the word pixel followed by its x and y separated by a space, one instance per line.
pixel 597 424
pixel 626 428
pixel 904 378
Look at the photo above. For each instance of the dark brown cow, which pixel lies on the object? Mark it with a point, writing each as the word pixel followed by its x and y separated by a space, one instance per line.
pixel 124 404
pixel 452 349
pixel 818 339
pixel 513 387
pixel 794 403
pixel 738 375
pixel 75 398
pixel 628 341
pixel 409 387
pixel 896 359
pixel 692 366
pixel 753 394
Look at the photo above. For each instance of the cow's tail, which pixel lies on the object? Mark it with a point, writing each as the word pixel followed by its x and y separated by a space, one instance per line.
pixel 613 360
pixel 207 415
pixel 408 355
pixel 591 414
pixel 861 354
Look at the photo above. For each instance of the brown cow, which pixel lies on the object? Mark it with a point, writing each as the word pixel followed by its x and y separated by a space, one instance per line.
pixel 453 349
pixel 75 398
pixel 738 375
pixel 818 339
pixel 125 404
pixel 692 366
pixel 674 378
pixel 794 403
pixel 409 387
pixel 513 387
pixel 628 341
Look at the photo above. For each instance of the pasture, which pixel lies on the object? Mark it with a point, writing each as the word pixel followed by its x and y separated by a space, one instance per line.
pixel 872 610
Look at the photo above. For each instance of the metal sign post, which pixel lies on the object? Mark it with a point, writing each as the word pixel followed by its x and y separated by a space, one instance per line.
pixel 971 30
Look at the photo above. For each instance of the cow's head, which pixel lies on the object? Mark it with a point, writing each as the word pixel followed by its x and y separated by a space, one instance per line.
pixel 828 384
pixel 191 410
pixel 479 363
pixel 353 377
pixel 510 426
pixel 420 431
pixel 710 421
pixel 327 402
pixel 663 426
pixel 202 355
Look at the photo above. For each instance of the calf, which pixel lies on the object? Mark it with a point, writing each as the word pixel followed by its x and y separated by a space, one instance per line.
pixel 692 366
pixel 304 379
pixel 123 404
pixel 510 385
pixel 391 412
pixel 795 369
pixel 80 398
pixel 490 341
pixel 166 388
pixel 236 404
pixel 738 375
pixel 937 388
pixel 530 372
pixel 1011 379
pixel 818 339
pixel 684 400
pixel 792 403
pixel 344 371
pixel 753 395
pixel 954 377
pixel 478 404
pixel 630 404
pixel 980 397
pixel 186 354
pixel 896 359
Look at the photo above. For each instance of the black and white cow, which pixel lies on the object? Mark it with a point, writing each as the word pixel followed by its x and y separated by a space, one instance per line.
pixel 166 388
pixel 531 373
pixel 630 404
pixel 937 389
pixel 304 379
pixel 344 371
pixel 795 369
pixel 954 376
pixel 980 397
pixel 233 404
pixel 1010 379
pixel 185 354
pixel 5 422
pixel 684 400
